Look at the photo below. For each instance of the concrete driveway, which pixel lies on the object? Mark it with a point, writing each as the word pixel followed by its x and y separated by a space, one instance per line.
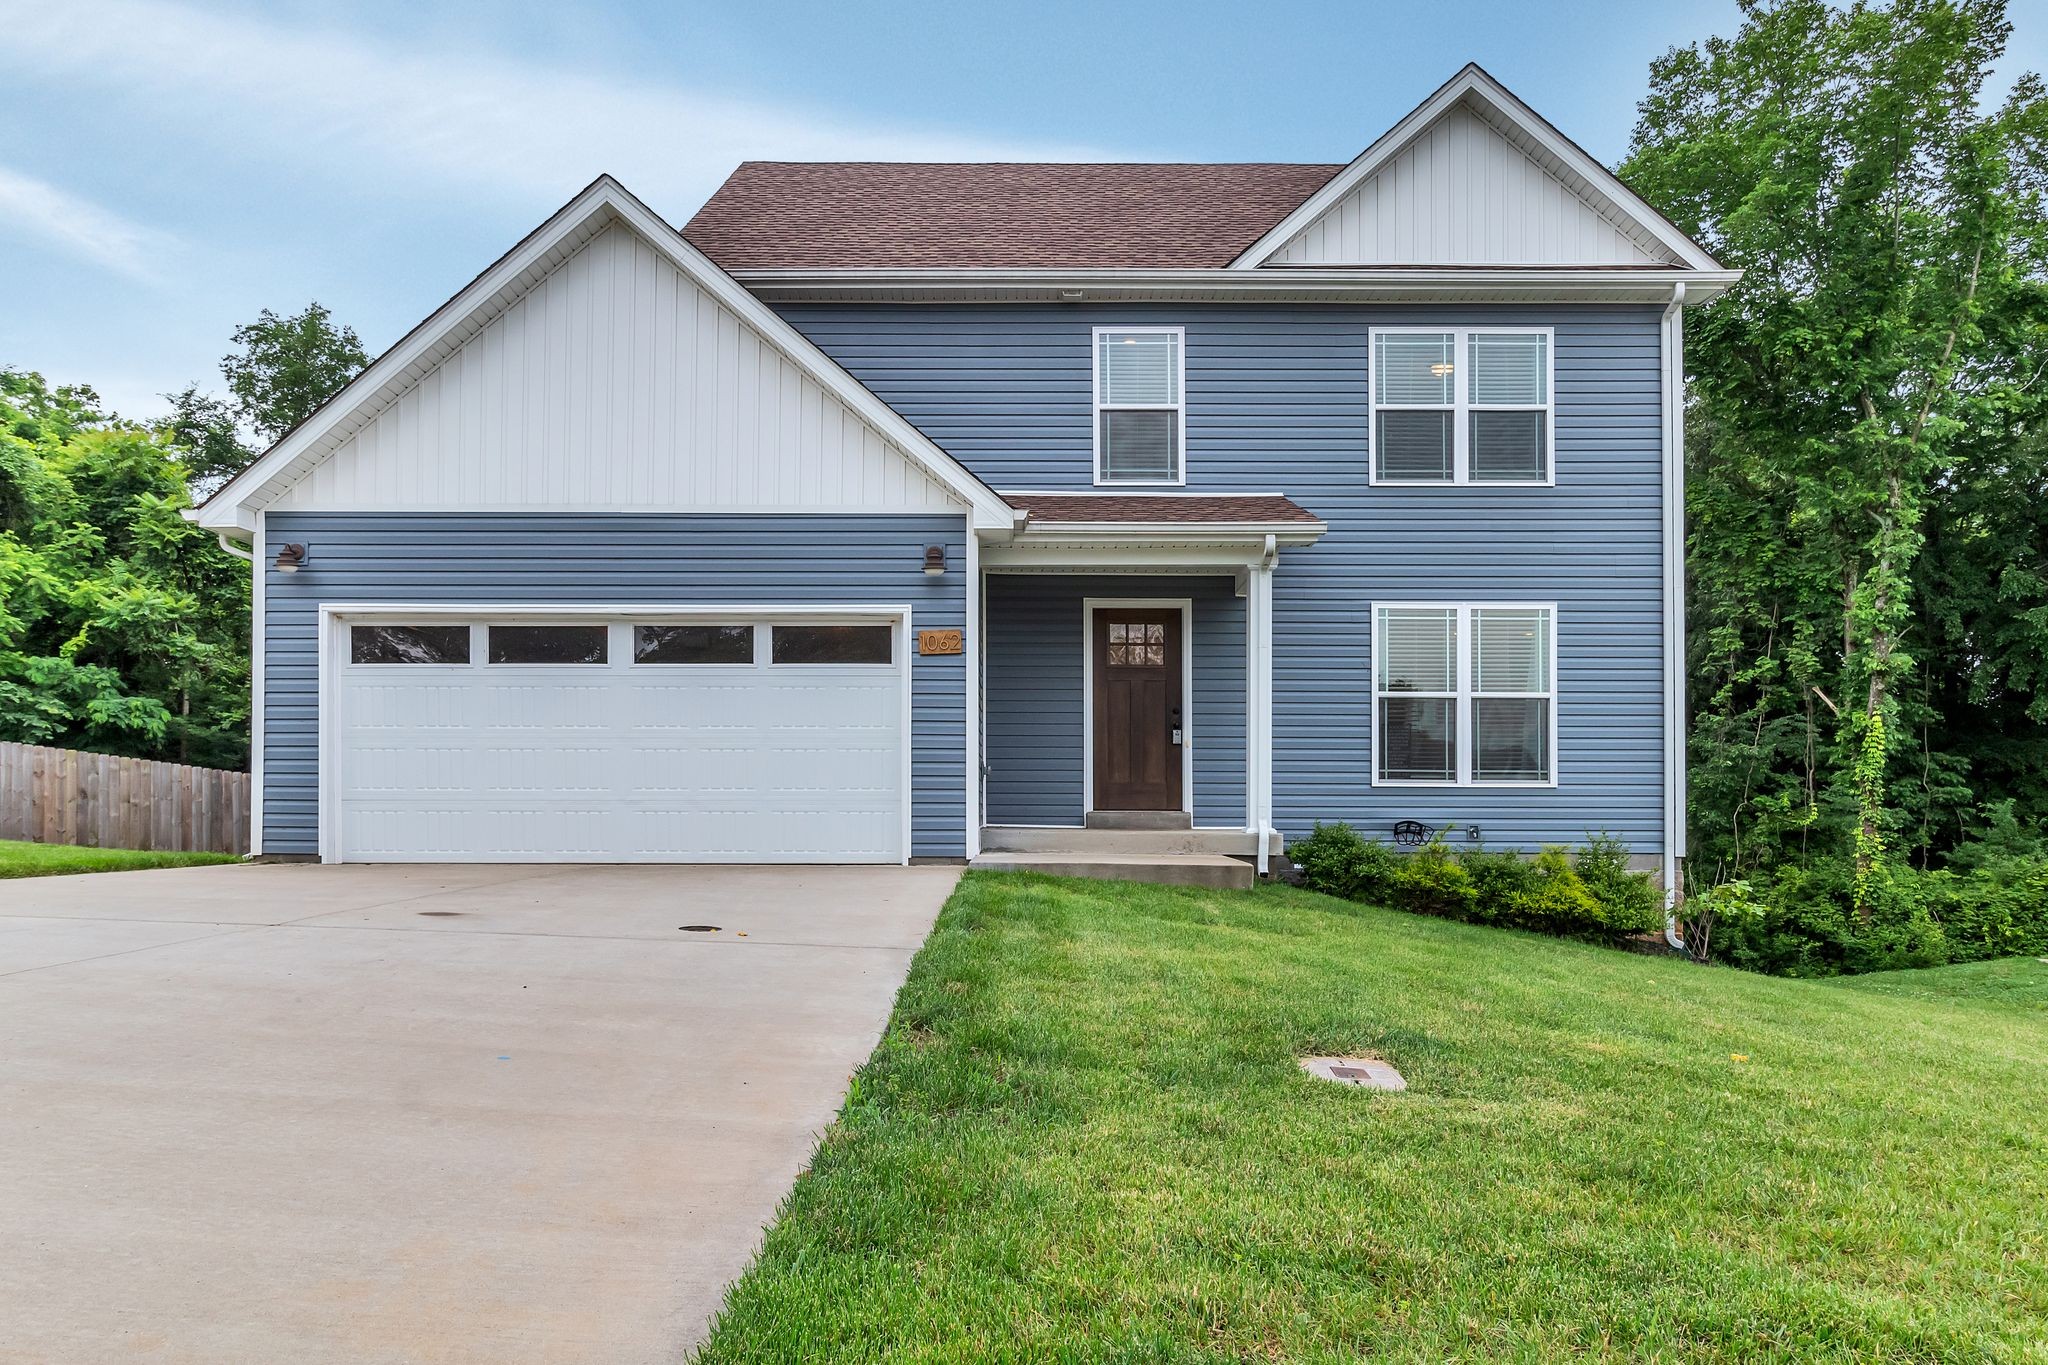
pixel 270 1113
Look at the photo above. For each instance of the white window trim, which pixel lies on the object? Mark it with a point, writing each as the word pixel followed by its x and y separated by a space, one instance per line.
pixel 1463 693
pixel 1462 407
pixel 1095 408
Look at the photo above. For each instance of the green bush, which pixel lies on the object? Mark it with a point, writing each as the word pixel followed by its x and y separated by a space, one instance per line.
pixel 1338 861
pixel 1810 925
pixel 1500 879
pixel 1431 881
pixel 1549 893
pixel 1630 901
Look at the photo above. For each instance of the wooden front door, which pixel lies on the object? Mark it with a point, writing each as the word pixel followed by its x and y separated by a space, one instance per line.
pixel 1138 723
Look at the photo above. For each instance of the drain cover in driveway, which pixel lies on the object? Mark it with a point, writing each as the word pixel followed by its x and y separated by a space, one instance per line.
pixel 1370 1072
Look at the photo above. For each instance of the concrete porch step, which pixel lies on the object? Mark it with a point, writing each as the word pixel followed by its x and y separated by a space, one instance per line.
pixel 1139 819
pixel 1234 843
pixel 1166 869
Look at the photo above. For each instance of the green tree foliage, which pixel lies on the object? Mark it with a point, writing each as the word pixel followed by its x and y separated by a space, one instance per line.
pixel 1865 462
pixel 289 366
pixel 123 627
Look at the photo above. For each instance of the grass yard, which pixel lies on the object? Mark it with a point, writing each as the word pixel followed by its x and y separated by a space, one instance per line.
pixel 1084 1138
pixel 18 859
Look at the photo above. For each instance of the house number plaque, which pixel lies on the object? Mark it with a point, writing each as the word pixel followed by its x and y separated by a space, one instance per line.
pixel 938 642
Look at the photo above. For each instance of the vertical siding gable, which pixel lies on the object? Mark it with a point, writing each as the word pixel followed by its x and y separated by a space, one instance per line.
pixel 616 383
pixel 1462 194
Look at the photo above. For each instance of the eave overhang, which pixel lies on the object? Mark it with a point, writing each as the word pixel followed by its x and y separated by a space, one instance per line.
pixel 1275 284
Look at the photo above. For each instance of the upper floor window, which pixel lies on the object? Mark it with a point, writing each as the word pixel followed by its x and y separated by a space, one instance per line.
pixel 1464 695
pixel 1461 405
pixel 1139 420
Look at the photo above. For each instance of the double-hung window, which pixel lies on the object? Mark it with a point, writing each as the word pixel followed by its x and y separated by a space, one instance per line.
pixel 1139 418
pixel 1461 405
pixel 1465 695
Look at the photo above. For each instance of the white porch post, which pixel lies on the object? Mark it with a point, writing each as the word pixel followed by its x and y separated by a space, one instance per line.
pixel 1258 709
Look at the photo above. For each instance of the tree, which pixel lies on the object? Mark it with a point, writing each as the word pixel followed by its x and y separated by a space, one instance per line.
pixel 1886 334
pixel 123 627
pixel 205 430
pixel 289 366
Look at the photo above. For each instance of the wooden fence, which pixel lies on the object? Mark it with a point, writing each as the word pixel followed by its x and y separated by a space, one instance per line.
pixel 63 796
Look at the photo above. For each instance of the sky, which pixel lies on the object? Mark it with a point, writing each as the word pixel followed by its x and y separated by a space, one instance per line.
pixel 170 168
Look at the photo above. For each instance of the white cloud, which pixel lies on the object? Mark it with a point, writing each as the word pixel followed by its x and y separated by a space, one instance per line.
pixel 311 97
pixel 41 212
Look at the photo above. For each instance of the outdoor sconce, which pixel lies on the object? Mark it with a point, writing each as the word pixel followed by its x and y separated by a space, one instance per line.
pixel 291 558
pixel 935 560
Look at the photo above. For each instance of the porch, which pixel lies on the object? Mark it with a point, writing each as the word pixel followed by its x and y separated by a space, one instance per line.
pixel 1126 703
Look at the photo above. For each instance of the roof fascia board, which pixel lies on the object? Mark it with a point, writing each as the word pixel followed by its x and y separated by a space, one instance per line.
pixel 1349 283
pixel 231 509
pixel 1473 80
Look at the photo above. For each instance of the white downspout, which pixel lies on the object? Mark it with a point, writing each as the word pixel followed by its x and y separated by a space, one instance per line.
pixel 1673 338
pixel 237 551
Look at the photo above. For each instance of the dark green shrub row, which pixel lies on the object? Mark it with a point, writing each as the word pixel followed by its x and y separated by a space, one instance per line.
pixel 1591 894
pixel 1804 921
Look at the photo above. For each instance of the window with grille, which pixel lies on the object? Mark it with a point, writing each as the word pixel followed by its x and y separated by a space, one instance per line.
pixel 1464 695
pixel 1461 405
pixel 1139 422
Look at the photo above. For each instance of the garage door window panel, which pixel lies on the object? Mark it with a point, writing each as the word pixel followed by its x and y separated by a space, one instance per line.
pixel 549 644
pixel 408 645
pixel 693 644
pixel 834 645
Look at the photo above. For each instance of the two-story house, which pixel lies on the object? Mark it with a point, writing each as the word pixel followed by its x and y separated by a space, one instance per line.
pixel 894 511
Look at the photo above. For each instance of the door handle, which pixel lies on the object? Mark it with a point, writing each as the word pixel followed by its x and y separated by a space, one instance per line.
pixel 1175 728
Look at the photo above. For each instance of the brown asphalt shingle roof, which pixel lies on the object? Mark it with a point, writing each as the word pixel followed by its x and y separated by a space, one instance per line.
pixel 1195 509
pixel 833 215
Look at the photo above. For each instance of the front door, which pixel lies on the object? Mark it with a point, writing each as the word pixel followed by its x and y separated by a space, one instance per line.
pixel 1138 734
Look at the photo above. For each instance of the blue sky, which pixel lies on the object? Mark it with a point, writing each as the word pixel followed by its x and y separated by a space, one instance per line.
pixel 170 167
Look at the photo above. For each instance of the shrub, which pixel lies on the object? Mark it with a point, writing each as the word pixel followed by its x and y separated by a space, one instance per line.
pixel 1810 925
pixel 1629 900
pixel 1550 893
pixel 1338 861
pixel 1499 879
pixel 1557 901
pixel 1431 881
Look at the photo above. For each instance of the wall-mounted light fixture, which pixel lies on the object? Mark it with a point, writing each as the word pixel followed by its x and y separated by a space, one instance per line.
pixel 291 558
pixel 1072 295
pixel 934 560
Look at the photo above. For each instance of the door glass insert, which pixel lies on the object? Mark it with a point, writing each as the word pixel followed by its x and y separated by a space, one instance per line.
pixel 1137 644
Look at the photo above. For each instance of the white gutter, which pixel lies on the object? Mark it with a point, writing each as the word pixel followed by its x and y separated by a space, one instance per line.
pixel 1673 395
pixel 1364 282
pixel 237 551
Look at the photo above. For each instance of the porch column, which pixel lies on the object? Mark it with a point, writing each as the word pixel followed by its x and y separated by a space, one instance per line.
pixel 1258 702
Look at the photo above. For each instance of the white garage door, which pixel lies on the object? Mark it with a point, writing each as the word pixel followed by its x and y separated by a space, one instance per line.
pixel 595 740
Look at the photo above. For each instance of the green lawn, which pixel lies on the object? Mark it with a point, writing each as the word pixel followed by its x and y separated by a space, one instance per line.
pixel 48 860
pixel 1084 1138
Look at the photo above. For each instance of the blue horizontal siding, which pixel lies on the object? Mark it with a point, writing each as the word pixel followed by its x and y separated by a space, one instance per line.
pixel 1035 704
pixel 625 559
pixel 1277 400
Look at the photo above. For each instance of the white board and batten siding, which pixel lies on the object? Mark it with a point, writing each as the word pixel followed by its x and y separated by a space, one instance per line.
pixel 617 383
pixel 1463 193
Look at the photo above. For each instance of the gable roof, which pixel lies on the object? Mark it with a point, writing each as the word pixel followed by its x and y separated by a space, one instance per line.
pixel 602 204
pixel 842 215
pixel 1474 91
